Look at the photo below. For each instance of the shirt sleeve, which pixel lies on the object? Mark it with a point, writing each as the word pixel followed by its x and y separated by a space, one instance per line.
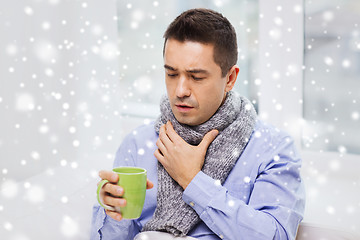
pixel 275 207
pixel 104 227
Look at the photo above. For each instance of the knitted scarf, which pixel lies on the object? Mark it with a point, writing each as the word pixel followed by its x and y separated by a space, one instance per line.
pixel 235 120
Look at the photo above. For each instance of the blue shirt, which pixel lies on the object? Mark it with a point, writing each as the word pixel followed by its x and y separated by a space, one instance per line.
pixel 262 198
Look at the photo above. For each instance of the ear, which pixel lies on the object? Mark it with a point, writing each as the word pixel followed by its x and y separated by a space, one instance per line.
pixel 231 77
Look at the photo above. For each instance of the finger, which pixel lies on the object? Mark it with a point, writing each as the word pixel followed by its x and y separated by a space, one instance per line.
pixel 149 184
pixel 161 146
pixel 114 201
pixel 208 138
pixel 114 215
pixel 113 189
pixel 109 175
pixel 164 137
pixel 170 131
pixel 159 156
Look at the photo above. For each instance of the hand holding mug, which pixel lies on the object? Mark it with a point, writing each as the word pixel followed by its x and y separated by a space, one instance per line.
pixel 122 192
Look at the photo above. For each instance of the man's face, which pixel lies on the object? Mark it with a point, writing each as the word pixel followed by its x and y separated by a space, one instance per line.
pixel 194 83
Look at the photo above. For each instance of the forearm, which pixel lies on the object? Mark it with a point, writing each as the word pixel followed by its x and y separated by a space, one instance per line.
pixel 229 217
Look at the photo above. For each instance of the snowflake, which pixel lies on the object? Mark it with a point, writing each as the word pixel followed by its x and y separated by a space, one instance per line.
pixel 278 107
pixel 46 26
pixel 275 34
pixel 8 226
pixel 9 189
pixel 350 209
pixel 97 29
pixel 64 199
pixel 35 155
pixel 134 25
pixel 330 210
pixel 334 165
pixel 43 129
pixel 54 2
pixel 247 107
pixel 97 141
pixel 328 16
pixel 346 63
pixel 66 106
pixel 147 121
pixel 328 61
pixel 275 75
pixel 109 51
pixel 28 11
pixel 72 129
pixel 219 3
pixel 321 179
pixel 217 182
pixel 87 124
pixel 355 116
pixel 11 49
pixel 278 21
pixel 69 227
pixel 56 95
pixel 141 151
pixel 35 194
pixel 231 203
pixel 149 144
pixel 297 8
pixel 235 153
pixel 76 143
pixel 257 134
pixel 25 102
pixel 342 149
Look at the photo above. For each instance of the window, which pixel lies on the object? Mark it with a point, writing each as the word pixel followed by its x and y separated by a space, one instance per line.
pixel 289 100
pixel 331 76
pixel 309 53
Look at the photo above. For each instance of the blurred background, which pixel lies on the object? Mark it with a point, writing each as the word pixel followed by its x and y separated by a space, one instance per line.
pixel 77 76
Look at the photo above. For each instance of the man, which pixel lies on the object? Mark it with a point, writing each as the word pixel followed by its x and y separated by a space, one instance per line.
pixel 215 171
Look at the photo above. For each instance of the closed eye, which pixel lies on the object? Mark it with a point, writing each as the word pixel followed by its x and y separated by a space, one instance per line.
pixel 197 78
pixel 172 75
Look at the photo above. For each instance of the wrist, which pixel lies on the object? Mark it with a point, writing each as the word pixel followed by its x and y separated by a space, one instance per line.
pixel 187 180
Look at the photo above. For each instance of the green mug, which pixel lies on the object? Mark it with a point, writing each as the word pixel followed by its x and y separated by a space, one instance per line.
pixel 133 181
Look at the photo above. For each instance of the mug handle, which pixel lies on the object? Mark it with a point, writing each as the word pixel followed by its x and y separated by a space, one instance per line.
pixel 100 186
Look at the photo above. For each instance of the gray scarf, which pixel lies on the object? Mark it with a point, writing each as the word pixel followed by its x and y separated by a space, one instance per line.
pixel 235 120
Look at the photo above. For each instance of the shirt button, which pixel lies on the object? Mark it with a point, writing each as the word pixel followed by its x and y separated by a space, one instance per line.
pixel 192 204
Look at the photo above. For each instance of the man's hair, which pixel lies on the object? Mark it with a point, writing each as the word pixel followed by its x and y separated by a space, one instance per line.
pixel 206 26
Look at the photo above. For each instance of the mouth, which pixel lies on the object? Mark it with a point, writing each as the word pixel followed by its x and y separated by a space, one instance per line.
pixel 183 107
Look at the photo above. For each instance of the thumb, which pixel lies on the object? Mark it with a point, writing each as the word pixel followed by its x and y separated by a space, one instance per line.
pixel 208 138
pixel 149 184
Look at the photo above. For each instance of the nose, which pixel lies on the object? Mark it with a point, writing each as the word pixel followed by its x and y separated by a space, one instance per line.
pixel 183 88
